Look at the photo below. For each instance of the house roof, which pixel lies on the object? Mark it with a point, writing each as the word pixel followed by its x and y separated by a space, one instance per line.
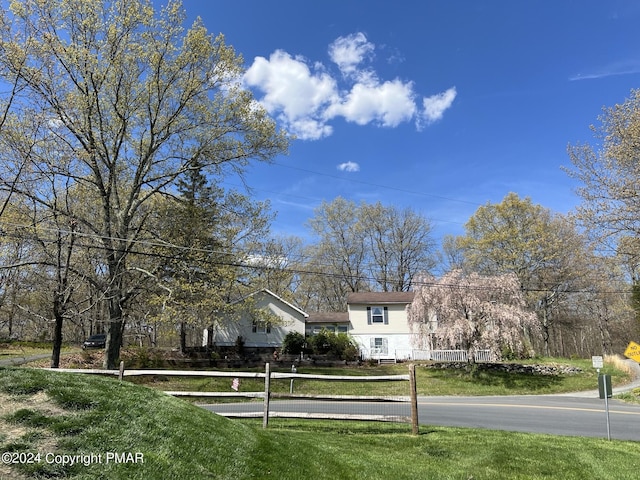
pixel 328 317
pixel 380 298
pixel 269 292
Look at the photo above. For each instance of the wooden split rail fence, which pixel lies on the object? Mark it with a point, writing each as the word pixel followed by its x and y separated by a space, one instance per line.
pixel 267 394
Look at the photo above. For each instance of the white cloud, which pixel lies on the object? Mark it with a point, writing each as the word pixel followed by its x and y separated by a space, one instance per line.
pixel 625 67
pixel 350 51
pixel 304 97
pixel 293 92
pixel 435 105
pixel 349 167
pixel 387 104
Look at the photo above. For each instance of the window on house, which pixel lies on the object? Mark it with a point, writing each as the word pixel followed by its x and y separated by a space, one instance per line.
pixel 261 327
pixel 377 315
pixel 379 345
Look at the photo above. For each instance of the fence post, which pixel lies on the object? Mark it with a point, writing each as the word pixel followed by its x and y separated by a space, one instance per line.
pixel 121 372
pixel 415 429
pixel 267 394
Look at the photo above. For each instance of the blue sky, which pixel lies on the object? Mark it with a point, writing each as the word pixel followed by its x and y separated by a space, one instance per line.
pixel 441 106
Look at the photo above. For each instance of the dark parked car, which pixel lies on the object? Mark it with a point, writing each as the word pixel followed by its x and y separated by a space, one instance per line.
pixel 95 341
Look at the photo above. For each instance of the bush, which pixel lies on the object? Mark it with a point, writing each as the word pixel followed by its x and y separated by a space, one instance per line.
pixel 293 343
pixel 320 343
pixel 337 345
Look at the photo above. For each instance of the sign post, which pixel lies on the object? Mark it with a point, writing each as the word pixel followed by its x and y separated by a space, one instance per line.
pixel 604 388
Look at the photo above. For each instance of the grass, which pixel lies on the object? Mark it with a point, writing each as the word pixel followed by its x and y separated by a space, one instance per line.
pixel 26 349
pixel 52 412
pixel 472 380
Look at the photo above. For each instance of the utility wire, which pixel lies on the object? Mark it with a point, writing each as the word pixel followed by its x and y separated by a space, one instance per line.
pixel 322 271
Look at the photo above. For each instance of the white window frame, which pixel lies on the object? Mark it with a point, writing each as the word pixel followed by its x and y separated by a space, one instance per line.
pixel 379 345
pixel 377 315
pixel 380 317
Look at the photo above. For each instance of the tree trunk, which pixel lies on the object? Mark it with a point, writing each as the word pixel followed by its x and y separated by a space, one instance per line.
pixel 57 333
pixel 114 342
pixel 114 332
pixel 183 338
pixel 545 332
pixel 210 336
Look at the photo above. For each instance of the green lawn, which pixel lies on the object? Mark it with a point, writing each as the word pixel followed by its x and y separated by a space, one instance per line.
pixel 28 349
pixel 472 380
pixel 57 413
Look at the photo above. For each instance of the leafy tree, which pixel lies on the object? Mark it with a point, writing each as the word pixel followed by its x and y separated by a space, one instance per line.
pixel 602 307
pixel 16 271
pixel 130 100
pixel 204 238
pixel 472 312
pixel 610 173
pixel 452 254
pixel 12 169
pixel 544 251
pixel 191 257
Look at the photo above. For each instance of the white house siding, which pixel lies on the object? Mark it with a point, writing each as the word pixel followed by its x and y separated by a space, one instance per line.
pixel 394 333
pixel 291 319
pixel 397 320
pixel 395 346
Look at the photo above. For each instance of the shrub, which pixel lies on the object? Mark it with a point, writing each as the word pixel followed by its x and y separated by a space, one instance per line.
pixel 293 343
pixel 336 345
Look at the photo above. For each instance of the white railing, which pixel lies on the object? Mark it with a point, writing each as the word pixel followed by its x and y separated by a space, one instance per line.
pixel 449 356
pixel 478 356
pixel 483 356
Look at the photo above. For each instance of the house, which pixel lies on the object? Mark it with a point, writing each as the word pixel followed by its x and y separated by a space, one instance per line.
pixel 335 322
pixel 263 320
pixel 379 325
pixel 377 322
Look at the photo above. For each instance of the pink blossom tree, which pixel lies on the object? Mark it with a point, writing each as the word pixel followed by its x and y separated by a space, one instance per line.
pixel 469 311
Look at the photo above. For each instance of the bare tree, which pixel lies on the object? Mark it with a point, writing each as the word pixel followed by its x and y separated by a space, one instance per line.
pixel 362 247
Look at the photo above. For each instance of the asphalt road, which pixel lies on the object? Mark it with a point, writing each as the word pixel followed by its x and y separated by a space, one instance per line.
pixel 552 414
pixel 15 361
pixel 557 415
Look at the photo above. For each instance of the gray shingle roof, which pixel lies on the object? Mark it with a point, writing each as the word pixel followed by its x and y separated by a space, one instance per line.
pixel 380 298
pixel 328 317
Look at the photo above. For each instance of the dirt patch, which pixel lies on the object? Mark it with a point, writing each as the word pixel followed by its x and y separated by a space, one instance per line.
pixel 11 433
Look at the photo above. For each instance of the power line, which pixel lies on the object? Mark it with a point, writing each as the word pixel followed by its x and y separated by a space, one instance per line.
pixel 367 279
pixel 370 184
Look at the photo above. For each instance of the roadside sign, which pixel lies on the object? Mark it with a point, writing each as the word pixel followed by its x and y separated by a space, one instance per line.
pixel 633 352
pixel 598 362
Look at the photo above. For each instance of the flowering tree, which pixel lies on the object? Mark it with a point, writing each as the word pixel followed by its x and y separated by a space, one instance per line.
pixel 470 312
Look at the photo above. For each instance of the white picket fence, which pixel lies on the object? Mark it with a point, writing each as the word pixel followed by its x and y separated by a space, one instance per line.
pixel 479 356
